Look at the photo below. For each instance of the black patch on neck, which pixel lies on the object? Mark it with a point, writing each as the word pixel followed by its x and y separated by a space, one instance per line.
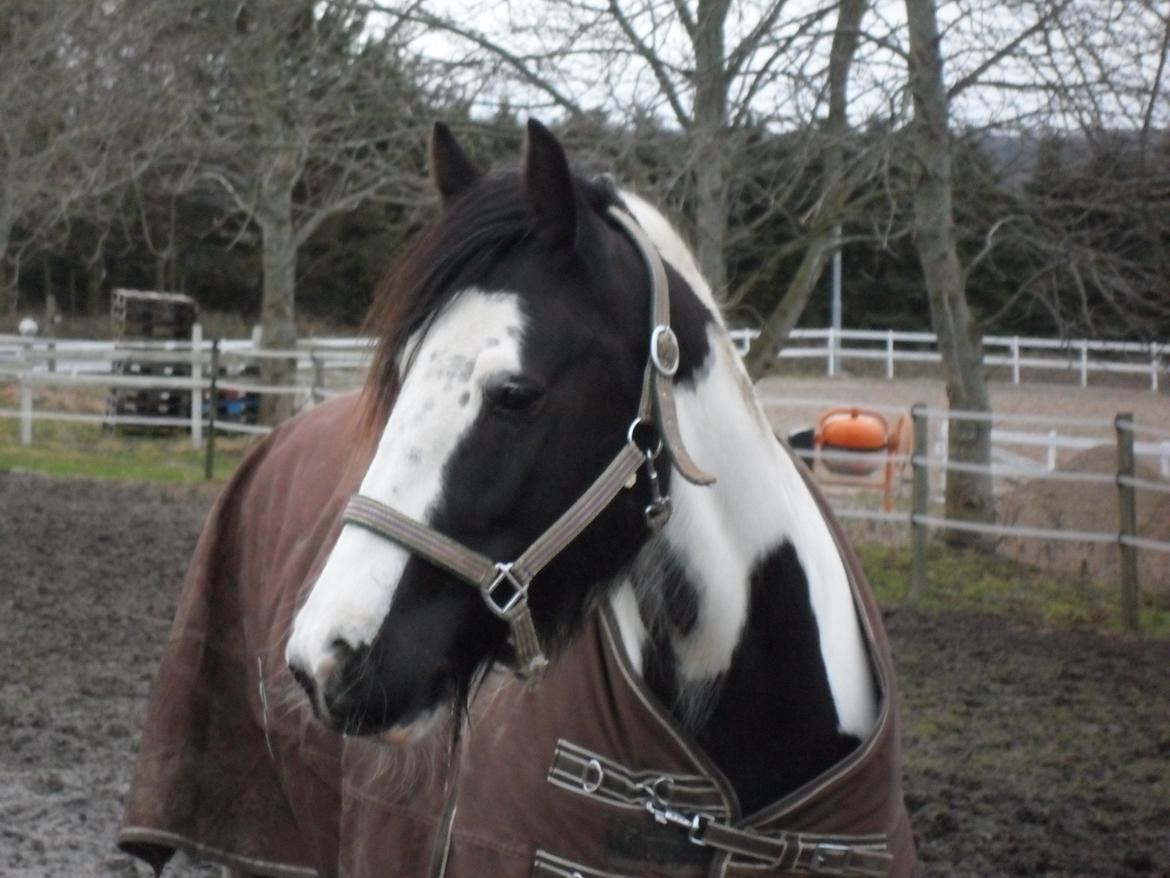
pixel 774 725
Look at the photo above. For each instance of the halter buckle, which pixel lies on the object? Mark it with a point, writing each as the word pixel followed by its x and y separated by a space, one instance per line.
pixel 517 593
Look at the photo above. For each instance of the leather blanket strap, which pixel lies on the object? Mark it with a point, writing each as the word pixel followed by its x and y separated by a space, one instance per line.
pixel 580 771
pixel 694 803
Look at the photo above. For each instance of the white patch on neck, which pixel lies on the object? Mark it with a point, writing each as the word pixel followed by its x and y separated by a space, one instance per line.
pixel 719 533
pixel 478 335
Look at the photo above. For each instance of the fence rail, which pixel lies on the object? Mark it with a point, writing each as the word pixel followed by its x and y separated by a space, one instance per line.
pixel 329 366
pixel 325 367
pixel 1082 357
pixel 929 458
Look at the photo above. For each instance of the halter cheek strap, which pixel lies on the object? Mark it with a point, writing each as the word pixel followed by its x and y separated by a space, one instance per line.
pixel 504 586
pixel 664 355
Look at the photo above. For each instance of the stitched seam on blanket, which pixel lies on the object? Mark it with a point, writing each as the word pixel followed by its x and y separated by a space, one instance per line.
pixel 134 834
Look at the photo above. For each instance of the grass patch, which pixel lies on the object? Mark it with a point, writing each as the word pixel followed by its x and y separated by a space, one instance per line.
pixel 968 580
pixel 63 449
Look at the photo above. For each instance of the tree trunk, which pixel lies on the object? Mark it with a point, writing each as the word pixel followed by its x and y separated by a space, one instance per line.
pixel 7 303
pixel 277 315
pixel 968 495
pixel 708 142
pixel 761 358
pixel 95 277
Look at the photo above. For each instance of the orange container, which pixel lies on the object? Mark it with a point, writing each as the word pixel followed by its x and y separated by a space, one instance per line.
pixel 863 434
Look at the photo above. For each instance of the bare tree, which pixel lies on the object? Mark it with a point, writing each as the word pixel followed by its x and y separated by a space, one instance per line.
pixel 80 120
pixel 835 189
pixel 43 99
pixel 714 68
pixel 299 114
pixel 968 494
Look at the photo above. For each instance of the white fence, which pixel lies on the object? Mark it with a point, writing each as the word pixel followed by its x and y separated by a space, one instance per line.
pixel 1080 357
pixel 1018 456
pixel 330 366
pixel 325 367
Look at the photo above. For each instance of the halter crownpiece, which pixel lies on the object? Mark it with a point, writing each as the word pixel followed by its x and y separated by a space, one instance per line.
pixel 504 586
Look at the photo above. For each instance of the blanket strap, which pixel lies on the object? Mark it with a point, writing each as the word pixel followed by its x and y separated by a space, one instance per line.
pixel 694 803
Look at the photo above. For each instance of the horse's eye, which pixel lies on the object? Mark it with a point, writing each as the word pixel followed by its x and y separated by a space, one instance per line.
pixel 512 393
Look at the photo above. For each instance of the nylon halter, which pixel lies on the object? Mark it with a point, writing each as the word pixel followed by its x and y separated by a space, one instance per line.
pixel 504 585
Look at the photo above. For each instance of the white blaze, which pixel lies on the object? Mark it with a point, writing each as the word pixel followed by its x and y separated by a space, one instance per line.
pixel 441 395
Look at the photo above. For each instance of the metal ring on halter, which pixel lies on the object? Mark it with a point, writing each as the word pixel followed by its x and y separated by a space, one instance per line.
pixel 641 422
pixel 669 365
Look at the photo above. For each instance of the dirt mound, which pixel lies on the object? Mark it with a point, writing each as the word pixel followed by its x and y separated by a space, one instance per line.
pixel 1075 506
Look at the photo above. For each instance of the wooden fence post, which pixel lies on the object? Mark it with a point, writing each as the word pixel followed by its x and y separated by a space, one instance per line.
pixel 918 530
pixel 1127 506
pixel 212 405
pixel 26 411
pixel 315 394
pixel 197 385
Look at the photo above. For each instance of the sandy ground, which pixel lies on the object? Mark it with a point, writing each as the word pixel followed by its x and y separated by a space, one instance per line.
pixel 794 402
pixel 1028 753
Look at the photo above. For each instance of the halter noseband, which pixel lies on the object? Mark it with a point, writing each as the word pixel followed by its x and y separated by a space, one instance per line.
pixel 504 586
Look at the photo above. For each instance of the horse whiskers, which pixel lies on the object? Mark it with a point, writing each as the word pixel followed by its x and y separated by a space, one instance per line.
pixel 264 704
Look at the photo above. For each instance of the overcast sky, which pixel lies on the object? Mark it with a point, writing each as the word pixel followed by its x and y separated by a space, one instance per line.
pixel 1121 48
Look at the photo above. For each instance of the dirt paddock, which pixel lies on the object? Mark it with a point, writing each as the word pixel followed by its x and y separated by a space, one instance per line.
pixel 1028 753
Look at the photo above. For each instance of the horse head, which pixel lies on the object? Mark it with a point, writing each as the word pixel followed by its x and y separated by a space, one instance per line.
pixel 515 338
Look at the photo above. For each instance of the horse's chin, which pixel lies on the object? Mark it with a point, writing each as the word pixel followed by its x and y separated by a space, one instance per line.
pixel 418 729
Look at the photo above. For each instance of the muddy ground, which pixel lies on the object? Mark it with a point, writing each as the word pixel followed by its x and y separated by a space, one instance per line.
pixel 1028 753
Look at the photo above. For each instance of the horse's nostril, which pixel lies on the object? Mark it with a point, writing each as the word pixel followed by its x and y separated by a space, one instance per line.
pixel 305 681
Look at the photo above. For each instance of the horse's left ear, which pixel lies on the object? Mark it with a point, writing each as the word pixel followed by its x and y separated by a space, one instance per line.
pixel 451 170
pixel 548 185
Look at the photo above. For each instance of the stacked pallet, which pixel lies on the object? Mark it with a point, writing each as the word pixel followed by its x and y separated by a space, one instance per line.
pixel 150 316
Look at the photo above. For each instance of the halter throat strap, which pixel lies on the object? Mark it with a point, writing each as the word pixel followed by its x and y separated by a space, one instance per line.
pixel 504 586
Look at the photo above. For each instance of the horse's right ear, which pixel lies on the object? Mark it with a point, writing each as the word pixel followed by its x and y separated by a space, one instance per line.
pixel 451 170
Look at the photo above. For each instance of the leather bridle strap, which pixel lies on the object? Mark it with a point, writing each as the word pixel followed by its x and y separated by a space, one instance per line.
pixel 503 586
pixel 664 353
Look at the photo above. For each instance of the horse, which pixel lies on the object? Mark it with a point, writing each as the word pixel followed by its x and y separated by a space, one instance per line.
pixel 579 557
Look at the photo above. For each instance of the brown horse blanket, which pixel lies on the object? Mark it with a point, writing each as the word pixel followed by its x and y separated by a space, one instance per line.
pixel 546 782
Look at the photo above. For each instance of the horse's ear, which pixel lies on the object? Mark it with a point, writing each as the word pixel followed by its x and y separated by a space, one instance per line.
pixel 548 185
pixel 451 170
